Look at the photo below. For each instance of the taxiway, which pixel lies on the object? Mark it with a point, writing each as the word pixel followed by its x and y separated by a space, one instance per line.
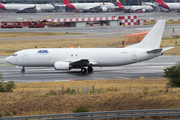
pixel 147 69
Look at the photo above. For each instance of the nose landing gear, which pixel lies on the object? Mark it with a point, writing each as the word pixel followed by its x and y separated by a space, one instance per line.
pixel 22 70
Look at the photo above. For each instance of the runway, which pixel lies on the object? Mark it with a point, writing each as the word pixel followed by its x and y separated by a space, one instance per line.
pixel 147 69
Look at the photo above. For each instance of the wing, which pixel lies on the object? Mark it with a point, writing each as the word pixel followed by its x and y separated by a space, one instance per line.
pixel 136 9
pixel 81 63
pixel 27 8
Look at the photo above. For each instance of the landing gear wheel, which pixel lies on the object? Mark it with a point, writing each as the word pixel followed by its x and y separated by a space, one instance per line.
pixel 90 69
pixel 22 70
pixel 83 70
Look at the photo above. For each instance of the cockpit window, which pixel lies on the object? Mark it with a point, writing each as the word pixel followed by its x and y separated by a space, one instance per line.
pixel 15 55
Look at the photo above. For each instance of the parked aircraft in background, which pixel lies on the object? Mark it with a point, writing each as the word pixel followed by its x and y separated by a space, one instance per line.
pixel 169 6
pixel 133 8
pixel 91 7
pixel 87 58
pixel 27 7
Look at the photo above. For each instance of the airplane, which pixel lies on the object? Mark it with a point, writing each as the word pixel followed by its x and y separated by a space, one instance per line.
pixel 133 8
pixel 169 6
pixel 87 58
pixel 20 8
pixel 92 7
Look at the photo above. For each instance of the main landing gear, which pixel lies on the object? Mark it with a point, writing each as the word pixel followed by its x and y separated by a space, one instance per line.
pixel 22 70
pixel 89 69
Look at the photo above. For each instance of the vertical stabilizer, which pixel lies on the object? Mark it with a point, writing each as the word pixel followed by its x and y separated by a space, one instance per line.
pixel 159 1
pixel 66 2
pixel 119 4
pixel 162 4
pixel 153 39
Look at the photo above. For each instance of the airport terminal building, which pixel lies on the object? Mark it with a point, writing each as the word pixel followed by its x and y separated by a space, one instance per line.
pixel 123 2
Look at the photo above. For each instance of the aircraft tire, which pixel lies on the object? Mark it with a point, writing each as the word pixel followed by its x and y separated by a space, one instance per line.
pixel 22 70
pixel 90 69
pixel 83 70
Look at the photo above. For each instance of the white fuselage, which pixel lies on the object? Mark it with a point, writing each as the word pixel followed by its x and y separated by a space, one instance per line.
pixel 146 8
pixel 174 6
pixel 97 56
pixel 86 6
pixel 19 6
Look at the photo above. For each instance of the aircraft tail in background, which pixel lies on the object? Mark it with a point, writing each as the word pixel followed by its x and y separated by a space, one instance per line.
pixel 159 1
pixel 66 2
pixel 119 4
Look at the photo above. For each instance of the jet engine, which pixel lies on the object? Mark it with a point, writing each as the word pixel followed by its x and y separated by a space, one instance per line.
pixel 61 65
pixel 38 9
pixel 143 10
pixel 103 9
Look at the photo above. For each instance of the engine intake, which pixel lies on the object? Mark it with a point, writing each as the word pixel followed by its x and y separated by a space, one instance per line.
pixel 38 9
pixel 103 9
pixel 61 65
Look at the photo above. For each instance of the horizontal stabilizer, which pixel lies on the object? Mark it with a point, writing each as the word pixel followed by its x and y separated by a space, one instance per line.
pixel 164 49
pixel 154 51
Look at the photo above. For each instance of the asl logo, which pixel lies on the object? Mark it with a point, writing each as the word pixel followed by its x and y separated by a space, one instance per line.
pixel 43 51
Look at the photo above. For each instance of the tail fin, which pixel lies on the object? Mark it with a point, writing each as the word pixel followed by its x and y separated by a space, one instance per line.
pixel 119 4
pixel 66 2
pixel 153 39
pixel 159 1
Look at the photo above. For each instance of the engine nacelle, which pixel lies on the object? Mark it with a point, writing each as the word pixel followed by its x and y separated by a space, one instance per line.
pixel 62 65
pixel 143 10
pixel 103 9
pixel 38 9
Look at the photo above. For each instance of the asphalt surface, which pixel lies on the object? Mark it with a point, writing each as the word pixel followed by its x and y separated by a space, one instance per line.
pixel 148 69
pixel 35 16
pixel 90 32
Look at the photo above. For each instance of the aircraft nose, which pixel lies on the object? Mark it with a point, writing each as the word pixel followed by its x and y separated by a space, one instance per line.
pixel 8 59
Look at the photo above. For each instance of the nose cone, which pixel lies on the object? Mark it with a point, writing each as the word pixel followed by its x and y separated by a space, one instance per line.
pixel 9 60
